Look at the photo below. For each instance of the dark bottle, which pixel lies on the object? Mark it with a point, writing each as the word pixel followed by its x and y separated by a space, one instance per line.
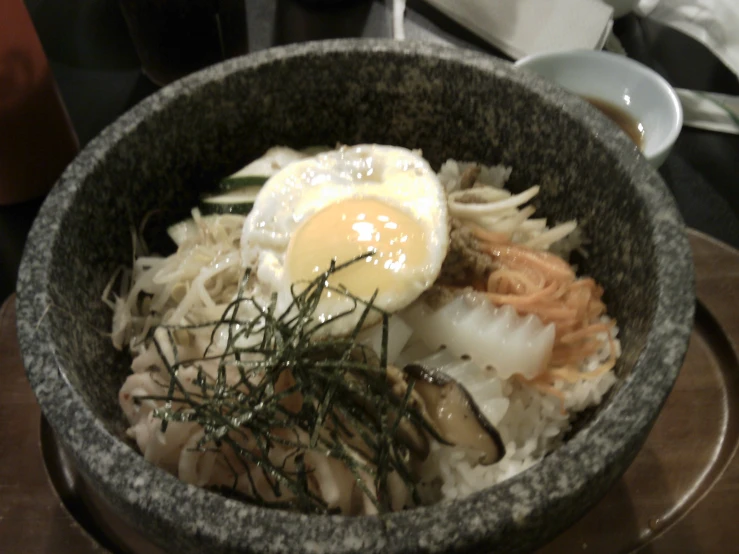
pixel 176 37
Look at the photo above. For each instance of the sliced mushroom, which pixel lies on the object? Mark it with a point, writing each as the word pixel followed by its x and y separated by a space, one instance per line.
pixel 412 435
pixel 454 414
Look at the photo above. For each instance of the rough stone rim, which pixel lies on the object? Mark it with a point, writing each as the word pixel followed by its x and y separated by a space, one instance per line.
pixel 621 426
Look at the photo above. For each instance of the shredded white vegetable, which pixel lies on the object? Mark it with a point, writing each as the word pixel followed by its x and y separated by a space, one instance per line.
pixel 491 207
pixel 194 285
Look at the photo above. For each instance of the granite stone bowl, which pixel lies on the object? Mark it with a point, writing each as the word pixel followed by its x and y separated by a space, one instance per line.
pixel 450 103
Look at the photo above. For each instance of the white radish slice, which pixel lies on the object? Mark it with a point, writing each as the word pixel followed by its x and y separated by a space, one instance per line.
pixel 472 326
pixel 415 349
pixel 398 333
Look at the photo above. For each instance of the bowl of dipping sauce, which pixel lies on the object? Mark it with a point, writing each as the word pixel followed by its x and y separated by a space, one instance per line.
pixel 634 97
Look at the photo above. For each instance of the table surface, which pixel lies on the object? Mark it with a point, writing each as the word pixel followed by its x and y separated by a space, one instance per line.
pixel 98 74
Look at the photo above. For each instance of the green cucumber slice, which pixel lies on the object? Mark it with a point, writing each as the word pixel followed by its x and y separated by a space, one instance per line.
pixel 238 201
pixel 237 181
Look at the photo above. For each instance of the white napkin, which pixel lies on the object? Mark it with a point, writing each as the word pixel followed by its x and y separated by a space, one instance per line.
pixel 523 27
pixel 715 23
pixel 710 111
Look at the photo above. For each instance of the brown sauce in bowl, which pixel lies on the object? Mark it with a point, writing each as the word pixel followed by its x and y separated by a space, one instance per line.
pixel 628 124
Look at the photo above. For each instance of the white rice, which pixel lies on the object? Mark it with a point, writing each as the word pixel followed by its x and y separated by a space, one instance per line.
pixel 533 422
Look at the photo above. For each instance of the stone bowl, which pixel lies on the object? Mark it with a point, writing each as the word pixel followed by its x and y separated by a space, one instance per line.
pixel 450 103
pixel 631 87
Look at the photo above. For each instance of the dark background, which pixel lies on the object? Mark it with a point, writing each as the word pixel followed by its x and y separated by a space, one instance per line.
pixel 98 74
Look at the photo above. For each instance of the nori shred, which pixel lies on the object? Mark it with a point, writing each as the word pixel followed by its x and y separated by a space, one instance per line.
pixel 329 373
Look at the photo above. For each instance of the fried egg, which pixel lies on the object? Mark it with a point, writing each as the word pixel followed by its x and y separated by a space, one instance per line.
pixel 337 206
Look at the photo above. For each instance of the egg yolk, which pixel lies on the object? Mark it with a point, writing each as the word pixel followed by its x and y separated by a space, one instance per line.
pixel 350 228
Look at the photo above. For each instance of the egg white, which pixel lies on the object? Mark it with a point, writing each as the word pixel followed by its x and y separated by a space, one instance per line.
pixel 396 177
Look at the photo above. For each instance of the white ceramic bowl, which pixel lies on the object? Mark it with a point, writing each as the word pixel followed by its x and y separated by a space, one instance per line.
pixel 622 82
